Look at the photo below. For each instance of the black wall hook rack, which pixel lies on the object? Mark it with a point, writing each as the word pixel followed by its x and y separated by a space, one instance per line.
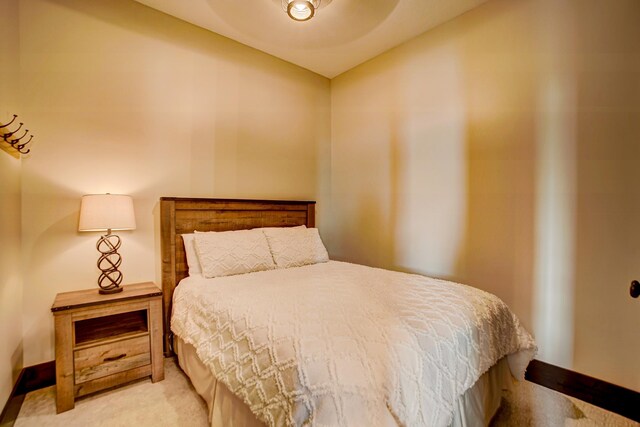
pixel 16 142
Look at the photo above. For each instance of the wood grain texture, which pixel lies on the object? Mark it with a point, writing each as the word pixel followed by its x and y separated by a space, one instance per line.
pixel 110 340
pixel 110 326
pixel 107 359
pixel 109 309
pixel 64 363
pixel 155 322
pixel 105 340
pixel 186 215
pixel 89 297
pixel 168 256
pixel 7 148
pixel 112 380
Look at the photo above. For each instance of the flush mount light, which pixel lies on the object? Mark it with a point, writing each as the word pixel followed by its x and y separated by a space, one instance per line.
pixel 300 10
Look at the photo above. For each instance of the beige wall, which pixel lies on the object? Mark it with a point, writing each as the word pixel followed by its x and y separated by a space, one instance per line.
pixel 498 149
pixel 501 150
pixel 11 354
pixel 129 100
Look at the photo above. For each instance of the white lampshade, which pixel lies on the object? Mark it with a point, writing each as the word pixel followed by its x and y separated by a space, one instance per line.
pixel 106 212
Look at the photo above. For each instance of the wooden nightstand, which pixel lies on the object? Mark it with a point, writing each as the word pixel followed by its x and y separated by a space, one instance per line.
pixel 106 340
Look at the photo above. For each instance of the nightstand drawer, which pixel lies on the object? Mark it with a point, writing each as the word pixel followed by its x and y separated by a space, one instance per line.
pixel 103 360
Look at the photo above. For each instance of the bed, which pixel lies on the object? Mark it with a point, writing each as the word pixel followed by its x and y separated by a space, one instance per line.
pixel 332 343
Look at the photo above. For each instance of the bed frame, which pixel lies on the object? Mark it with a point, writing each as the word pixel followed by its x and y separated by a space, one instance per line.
pixel 184 215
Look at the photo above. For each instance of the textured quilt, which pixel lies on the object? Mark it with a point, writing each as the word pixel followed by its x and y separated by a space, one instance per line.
pixel 338 344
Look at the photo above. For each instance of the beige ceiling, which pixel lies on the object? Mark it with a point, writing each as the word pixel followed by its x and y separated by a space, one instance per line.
pixel 343 34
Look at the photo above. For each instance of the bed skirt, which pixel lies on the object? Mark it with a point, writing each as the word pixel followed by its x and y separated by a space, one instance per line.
pixel 474 408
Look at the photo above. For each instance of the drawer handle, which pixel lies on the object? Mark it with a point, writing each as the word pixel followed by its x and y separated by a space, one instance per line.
pixel 118 357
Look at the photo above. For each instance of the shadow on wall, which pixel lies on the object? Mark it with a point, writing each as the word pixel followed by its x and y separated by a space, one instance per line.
pixel 506 163
pixel 551 154
pixel 499 240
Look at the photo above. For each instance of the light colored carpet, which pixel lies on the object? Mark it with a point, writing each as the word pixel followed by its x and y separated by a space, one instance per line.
pixel 531 405
pixel 173 402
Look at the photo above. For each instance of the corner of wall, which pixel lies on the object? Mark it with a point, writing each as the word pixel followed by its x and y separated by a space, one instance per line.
pixel 11 285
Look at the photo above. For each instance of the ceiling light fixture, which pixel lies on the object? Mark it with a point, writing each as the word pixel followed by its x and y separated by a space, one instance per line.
pixel 300 10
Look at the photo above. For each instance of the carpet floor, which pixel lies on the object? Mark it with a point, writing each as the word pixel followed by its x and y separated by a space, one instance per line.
pixel 174 402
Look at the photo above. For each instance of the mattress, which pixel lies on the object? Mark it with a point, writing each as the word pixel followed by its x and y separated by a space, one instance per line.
pixel 474 408
pixel 338 344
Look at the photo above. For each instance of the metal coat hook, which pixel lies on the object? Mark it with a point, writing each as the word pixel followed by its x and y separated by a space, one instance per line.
pixel 10 134
pixel 15 116
pixel 20 147
pixel 16 143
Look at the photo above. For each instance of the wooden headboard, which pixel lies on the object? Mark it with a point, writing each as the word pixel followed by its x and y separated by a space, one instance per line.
pixel 184 215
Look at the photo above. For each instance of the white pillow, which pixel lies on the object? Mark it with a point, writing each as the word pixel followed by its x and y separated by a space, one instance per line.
pixel 295 246
pixel 227 253
pixel 192 256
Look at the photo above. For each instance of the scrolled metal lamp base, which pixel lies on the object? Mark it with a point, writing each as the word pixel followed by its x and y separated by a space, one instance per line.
pixel 108 263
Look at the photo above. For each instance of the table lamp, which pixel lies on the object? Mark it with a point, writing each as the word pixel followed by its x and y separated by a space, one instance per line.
pixel 100 212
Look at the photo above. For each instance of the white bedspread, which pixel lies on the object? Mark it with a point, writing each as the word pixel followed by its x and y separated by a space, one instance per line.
pixel 340 344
